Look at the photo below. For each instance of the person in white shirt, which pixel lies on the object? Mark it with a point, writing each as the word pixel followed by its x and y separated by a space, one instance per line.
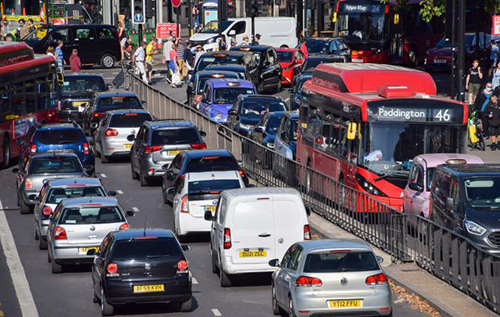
pixel 246 41
pixel 167 48
pixel 139 59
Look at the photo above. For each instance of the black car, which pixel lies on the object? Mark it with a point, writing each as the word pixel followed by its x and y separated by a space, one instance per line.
pixel 312 61
pixel 195 88
pixel 197 161
pixel 265 134
pixel 75 94
pixel 141 266
pixel 465 198
pixel 269 68
pixel 327 45
pixel 249 109
pixel 96 44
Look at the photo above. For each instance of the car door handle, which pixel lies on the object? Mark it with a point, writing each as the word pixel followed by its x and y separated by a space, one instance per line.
pixel 264 235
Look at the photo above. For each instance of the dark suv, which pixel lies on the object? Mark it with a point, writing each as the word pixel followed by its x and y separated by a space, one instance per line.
pixel 466 200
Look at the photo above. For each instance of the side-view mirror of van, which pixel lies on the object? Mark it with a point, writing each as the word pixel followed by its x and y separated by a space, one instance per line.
pixel 379 259
pixel 232 33
pixel 94 125
pixel 203 134
pixel 450 205
pixel 131 138
pixel 308 210
pixel 208 216
pixel 171 191
pixel 112 193
pixel 416 187
pixel 274 263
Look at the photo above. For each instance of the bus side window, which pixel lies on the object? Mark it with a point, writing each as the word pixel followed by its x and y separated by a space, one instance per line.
pixel 30 96
pixel 4 103
pixel 18 104
pixel 42 93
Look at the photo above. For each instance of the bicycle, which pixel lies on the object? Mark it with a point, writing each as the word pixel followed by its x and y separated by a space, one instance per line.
pixel 475 133
pixel 127 70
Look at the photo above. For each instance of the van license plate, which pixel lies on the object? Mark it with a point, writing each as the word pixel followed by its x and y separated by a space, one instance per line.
pixel 344 303
pixel 210 208
pixel 127 146
pixel 253 254
pixel 149 288
pixel 440 61
pixel 174 152
pixel 87 249
pixel 357 60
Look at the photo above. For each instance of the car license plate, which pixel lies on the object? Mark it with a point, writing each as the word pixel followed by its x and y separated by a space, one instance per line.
pixel 87 249
pixel 253 254
pixel 357 60
pixel 344 303
pixel 440 61
pixel 174 152
pixel 149 288
pixel 127 146
pixel 79 103
pixel 210 208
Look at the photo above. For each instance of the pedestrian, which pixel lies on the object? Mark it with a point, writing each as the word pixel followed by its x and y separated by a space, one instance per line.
pixel 199 51
pixel 495 76
pixel 303 48
pixel 188 57
pixel 256 41
pixel 246 40
pixel 222 43
pixel 493 111
pixel 480 105
pixel 60 57
pixel 473 80
pixel 150 52
pixel 494 54
pixel 123 38
pixel 31 26
pixel 75 62
pixel 139 59
pixel 233 42
pixel 181 67
pixel 51 51
pixel 23 29
pixel 167 48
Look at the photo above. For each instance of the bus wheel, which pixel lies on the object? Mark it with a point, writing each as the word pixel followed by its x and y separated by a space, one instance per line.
pixel 108 61
pixel 6 153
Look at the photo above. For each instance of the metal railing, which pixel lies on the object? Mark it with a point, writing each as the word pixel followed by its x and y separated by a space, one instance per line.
pixel 440 251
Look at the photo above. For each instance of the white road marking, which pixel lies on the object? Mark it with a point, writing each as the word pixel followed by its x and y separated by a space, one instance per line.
pixel 119 192
pixel 216 312
pixel 287 99
pixel 195 281
pixel 103 175
pixel 23 292
pixel 135 209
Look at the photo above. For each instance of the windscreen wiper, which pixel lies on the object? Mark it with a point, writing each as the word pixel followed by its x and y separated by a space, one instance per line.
pixel 390 174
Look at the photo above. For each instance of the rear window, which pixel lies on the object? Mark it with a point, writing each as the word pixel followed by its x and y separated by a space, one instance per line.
pixel 114 103
pixel 285 56
pixel 56 165
pixel 175 136
pixel 129 120
pixel 332 262
pixel 145 249
pixel 75 85
pixel 55 195
pixel 91 215
pixel 208 164
pixel 260 106
pixel 229 95
pixel 66 136
pixel 213 185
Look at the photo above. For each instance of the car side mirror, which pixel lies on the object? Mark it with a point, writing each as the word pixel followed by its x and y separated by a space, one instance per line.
pixel 130 213
pixel 109 86
pixel 90 139
pixel 450 205
pixel 144 103
pixel 258 129
pixel 185 247
pixel 204 100
pixel 416 187
pixel 170 175
pixel 208 216
pixel 165 167
pixel 171 191
pixel 203 134
pixel 88 169
pixel 232 112
pixel 232 33
pixel 20 142
pixel 112 193
pixel 308 211
pixel 131 138
pixel 274 263
pixel 379 259
pixel 16 170
pixel 94 125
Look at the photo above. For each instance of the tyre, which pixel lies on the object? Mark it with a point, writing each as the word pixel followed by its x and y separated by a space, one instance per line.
pixel 187 306
pixel 37 236
pixel 224 278
pixel 291 310
pixel 25 209
pixel 42 244
pixel 6 153
pixel 276 308
pixel 164 193
pixel 49 259
pixel 104 158
pixel 278 86
pixel 108 61
pixel 134 174
pixel 106 309
pixel 215 269
pixel 144 180
pixel 95 299
pixel 56 268
pixel 18 198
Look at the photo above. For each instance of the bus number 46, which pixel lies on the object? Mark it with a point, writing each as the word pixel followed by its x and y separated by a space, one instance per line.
pixel 443 115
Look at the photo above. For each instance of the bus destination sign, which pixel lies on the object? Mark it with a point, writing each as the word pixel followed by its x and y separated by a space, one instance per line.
pixel 360 8
pixel 437 115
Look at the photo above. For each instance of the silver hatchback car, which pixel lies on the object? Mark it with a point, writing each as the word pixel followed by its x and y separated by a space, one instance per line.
pixel 77 227
pixel 330 278
pixel 115 133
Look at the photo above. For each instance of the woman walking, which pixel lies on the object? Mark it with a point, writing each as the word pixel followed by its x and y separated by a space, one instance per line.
pixel 495 76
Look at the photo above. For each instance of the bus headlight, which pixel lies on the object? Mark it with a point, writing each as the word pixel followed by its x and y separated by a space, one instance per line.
pixel 369 187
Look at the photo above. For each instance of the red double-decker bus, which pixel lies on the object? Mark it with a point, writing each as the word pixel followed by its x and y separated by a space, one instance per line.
pixel 27 94
pixel 363 124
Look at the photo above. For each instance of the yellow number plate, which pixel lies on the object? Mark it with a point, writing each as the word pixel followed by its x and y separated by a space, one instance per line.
pixel 149 288
pixel 87 249
pixel 344 303
pixel 128 146
pixel 79 103
pixel 253 254
pixel 210 208
pixel 174 152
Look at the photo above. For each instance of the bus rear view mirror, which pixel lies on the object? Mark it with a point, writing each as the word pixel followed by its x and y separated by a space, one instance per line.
pixel 60 79
pixel 351 130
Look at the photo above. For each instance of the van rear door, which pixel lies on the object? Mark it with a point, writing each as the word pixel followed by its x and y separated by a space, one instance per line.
pixel 252 231
pixel 289 220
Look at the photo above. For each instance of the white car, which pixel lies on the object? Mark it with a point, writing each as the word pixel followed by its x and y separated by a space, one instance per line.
pixel 198 193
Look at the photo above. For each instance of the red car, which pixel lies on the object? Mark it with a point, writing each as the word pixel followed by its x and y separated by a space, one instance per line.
pixel 289 58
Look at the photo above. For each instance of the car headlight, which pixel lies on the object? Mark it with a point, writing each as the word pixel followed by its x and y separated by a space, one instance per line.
pixel 369 187
pixel 270 145
pixel 210 40
pixel 246 126
pixel 474 228
pixel 218 116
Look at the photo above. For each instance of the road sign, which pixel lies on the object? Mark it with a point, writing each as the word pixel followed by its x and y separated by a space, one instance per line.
pixel 496 25
pixel 164 30
pixel 176 3
pixel 138 11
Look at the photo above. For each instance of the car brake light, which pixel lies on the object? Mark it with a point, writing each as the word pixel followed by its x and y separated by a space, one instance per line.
pixel 33 148
pixel 131 115
pixel 98 114
pixel 199 146
pixel 376 279
pixel 308 281
pixel 185 204
pixel 242 173
pixel 46 211
pixel 307 232
pixel 111 132
pixel 112 268
pixel 60 233
pixel 151 149
pixel 227 238
pixel 86 148
pixel 28 184
pixel 59 106
pixel 182 266
pixel 125 226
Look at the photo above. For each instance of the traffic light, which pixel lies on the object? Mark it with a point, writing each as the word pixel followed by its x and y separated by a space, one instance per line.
pixel 150 8
pixel 138 11
pixel 254 8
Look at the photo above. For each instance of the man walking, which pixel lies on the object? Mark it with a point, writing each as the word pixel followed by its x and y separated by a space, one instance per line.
pixel 59 56
pixel 139 59
pixel 473 81
pixel 494 54
pixel 493 111
pixel 482 101
pixel 150 52
pixel 167 48
pixel 180 59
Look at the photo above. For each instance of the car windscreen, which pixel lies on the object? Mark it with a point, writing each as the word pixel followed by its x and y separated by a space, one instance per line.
pixel 91 215
pixel 203 80
pixel 256 108
pixel 229 95
pixel 54 165
pixel 175 136
pixel 147 248
pixel 293 129
pixel 213 185
pixel 340 261
pixel 38 34
pixel 55 195
pixel 60 136
pixel 285 56
pixel 115 103
pixel 483 192
pixel 81 85
pixel 212 163
pixel 129 120
pixel 212 27
pixel 313 63
pixel 317 46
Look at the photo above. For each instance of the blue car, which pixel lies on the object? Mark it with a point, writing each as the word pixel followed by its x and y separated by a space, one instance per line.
pixel 265 133
pixel 297 90
pixel 285 144
pixel 55 137
pixel 219 96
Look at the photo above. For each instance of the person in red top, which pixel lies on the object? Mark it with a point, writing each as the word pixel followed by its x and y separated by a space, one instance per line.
pixel 75 62
pixel 303 49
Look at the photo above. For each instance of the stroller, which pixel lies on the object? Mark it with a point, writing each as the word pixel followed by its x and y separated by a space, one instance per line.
pixel 475 133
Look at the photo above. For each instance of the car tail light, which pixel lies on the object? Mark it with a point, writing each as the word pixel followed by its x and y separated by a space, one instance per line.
pixel 376 279
pixel 242 173
pixel 46 211
pixel 112 268
pixel 59 107
pixel 151 149
pixel 227 238
pixel 28 184
pixel 199 146
pixel 182 266
pixel 33 148
pixel 185 204
pixel 307 232
pixel 60 233
pixel 125 226
pixel 308 281
pixel 86 148
pixel 98 114
pixel 111 132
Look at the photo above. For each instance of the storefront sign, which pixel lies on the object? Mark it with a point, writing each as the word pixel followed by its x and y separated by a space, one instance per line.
pixel 164 30
pixel 496 26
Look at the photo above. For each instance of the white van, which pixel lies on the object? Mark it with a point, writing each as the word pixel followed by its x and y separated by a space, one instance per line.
pixel 277 32
pixel 252 226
